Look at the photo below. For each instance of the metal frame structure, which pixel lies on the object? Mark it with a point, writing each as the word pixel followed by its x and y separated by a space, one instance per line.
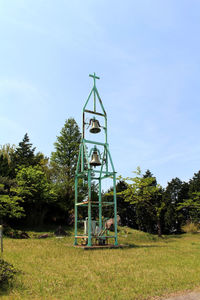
pixel 85 170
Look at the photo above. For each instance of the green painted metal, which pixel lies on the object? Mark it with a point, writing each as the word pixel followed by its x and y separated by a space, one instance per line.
pixel 100 207
pixel 89 210
pixel 115 207
pixel 94 142
pixel 76 209
pixel 84 169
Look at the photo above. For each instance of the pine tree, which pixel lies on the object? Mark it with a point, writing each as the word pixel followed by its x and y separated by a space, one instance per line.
pixel 67 148
pixel 63 163
pixel 175 193
pixel 191 205
pixel 24 154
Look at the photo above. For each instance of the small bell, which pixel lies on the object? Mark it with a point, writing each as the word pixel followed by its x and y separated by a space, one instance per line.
pixel 95 128
pixel 95 159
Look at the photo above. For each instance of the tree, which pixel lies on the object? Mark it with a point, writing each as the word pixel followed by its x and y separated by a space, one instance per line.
pixel 67 148
pixel 125 210
pixel 194 184
pixel 191 204
pixel 63 163
pixel 6 160
pixel 145 220
pixel 37 193
pixel 24 154
pixel 146 195
pixel 10 201
pixel 175 192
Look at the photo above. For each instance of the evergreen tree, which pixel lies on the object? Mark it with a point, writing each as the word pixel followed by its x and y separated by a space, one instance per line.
pixel 24 154
pixel 175 193
pixel 194 184
pixel 63 164
pixel 191 205
pixel 125 210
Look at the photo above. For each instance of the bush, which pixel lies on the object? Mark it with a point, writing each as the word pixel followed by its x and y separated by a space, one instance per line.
pixel 14 233
pixel 190 227
pixel 7 272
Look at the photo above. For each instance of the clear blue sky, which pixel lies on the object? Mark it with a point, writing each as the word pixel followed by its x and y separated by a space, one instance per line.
pixel 147 54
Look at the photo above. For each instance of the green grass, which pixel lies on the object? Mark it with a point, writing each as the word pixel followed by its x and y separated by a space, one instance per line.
pixel 152 266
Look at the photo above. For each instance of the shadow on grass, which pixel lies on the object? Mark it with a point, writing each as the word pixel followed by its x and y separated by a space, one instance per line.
pixel 6 288
pixel 173 236
pixel 122 247
pixel 131 246
pixel 47 228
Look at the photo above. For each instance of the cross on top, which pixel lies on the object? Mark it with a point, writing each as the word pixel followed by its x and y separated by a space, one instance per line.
pixel 94 77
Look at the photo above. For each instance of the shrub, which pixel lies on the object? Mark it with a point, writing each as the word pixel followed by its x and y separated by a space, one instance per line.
pixel 14 233
pixel 7 272
pixel 190 227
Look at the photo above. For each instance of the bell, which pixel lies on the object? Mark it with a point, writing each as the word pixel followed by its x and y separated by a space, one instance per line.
pixel 95 128
pixel 95 159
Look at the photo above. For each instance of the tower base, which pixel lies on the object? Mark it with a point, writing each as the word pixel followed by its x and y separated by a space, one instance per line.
pixel 95 247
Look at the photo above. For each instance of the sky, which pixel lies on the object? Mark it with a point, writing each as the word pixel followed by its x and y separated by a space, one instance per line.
pixel 147 55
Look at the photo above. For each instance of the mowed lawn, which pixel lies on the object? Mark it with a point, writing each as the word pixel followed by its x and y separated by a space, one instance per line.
pixel 53 269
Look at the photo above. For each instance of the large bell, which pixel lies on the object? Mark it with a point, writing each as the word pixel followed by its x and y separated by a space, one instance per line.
pixel 95 159
pixel 95 127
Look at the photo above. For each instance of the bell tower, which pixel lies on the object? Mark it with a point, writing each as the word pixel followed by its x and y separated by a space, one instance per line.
pixel 94 165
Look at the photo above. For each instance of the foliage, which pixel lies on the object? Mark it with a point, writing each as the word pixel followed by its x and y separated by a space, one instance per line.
pixel 174 218
pixel 64 159
pixel 146 195
pixel 6 160
pixel 191 203
pixel 36 192
pixel 63 164
pixel 193 206
pixel 125 210
pixel 10 200
pixel 7 272
pixel 194 184
pixel 24 154
pixel 190 227
pixel 14 233
pixel 30 185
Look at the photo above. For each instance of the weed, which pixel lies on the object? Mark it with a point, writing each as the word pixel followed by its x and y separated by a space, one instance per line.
pixel 190 227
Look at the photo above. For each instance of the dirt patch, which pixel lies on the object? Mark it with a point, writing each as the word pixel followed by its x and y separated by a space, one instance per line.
pixel 187 296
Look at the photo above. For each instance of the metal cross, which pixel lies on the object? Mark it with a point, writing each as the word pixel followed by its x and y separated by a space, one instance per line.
pixel 94 77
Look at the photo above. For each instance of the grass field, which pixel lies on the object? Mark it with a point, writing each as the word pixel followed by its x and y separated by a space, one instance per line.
pixel 151 267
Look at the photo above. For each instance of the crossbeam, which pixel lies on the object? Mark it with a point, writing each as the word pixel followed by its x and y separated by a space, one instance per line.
pixel 94 77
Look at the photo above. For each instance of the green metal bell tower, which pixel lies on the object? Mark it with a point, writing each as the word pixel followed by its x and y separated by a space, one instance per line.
pixel 94 166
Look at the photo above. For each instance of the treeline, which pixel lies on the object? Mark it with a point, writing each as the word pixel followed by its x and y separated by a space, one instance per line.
pixel 36 190
pixel 145 205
